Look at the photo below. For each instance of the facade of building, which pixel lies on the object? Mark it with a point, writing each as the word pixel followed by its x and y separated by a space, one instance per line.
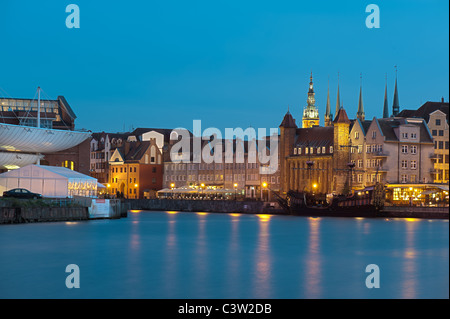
pixel 49 138
pixel 316 158
pixel 54 114
pixel 391 150
pixel 246 178
pixel 136 170
pixel 435 115
pixel 102 146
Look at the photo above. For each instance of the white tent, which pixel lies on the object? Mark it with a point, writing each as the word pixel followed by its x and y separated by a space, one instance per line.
pixel 50 181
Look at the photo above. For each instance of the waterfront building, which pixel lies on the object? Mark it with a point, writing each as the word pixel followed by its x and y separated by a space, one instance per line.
pixel 41 131
pixel 102 146
pixel 314 159
pixel 435 115
pixel 136 169
pixel 245 179
pixel 391 150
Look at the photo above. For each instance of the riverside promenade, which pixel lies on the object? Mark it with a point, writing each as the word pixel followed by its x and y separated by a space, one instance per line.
pixel 258 207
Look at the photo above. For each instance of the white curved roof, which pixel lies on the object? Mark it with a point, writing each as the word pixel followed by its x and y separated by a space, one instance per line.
pixel 38 140
pixel 11 160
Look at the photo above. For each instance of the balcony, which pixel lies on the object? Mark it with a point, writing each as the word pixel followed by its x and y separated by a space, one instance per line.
pixel 380 154
pixel 435 156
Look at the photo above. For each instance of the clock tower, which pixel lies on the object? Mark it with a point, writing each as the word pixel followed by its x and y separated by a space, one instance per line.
pixel 310 113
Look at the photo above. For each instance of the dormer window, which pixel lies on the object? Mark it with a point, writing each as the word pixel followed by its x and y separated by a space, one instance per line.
pixel 295 151
pixel 331 149
pixel 299 151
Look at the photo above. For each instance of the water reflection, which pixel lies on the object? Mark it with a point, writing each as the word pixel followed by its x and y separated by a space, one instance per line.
pixel 233 256
pixel 201 253
pixel 313 263
pixel 262 259
pixel 171 257
pixel 409 283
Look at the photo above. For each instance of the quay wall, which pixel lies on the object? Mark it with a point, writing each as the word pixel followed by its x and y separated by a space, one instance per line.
pixel 219 206
pixel 17 215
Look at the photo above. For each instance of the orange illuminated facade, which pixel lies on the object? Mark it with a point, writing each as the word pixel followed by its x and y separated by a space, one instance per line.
pixel 136 170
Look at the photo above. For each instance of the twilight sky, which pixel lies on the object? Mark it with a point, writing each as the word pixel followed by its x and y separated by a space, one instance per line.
pixel 228 63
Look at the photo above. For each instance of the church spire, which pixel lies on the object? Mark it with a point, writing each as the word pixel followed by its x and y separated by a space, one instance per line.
pixel 328 115
pixel 310 113
pixel 386 106
pixel 395 104
pixel 338 101
pixel 360 114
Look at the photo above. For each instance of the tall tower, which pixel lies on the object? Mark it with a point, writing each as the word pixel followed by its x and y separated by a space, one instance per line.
pixel 341 127
pixel 310 113
pixel 288 130
pixel 386 106
pixel 360 114
pixel 395 104
pixel 328 115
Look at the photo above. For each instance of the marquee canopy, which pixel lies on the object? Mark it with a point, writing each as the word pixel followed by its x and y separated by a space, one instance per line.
pixel 38 140
pixel 50 181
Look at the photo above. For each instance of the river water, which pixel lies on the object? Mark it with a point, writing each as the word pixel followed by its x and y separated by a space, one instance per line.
pixel 208 255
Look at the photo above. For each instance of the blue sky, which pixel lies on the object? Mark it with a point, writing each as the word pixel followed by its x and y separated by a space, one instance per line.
pixel 228 63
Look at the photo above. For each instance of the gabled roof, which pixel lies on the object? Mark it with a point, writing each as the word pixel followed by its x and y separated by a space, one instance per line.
pixel 388 125
pixel 288 121
pixel 425 110
pixel 314 136
pixel 136 151
pixel 141 130
pixel 341 117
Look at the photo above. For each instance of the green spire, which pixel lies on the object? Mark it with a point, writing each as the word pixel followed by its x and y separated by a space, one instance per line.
pixel 395 104
pixel 386 106
pixel 360 114
pixel 328 109
pixel 338 101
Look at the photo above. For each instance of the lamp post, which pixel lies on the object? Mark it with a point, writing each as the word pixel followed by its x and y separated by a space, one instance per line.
pixel 136 192
pixel 235 190
pixel 172 186
pixel 201 187
pixel 314 187
pixel 264 186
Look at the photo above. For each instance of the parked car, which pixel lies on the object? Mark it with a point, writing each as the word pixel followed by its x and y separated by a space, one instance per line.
pixel 21 193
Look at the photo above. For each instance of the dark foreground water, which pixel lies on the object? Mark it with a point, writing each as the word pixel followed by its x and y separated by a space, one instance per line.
pixel 200 255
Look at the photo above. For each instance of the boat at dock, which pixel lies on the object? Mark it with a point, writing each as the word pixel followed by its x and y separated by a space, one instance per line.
pixel 367 202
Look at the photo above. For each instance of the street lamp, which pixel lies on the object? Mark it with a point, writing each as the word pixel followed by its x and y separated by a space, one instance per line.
pixel 172 186
pixel 314 187
pixel 235 190
pixel 264 185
